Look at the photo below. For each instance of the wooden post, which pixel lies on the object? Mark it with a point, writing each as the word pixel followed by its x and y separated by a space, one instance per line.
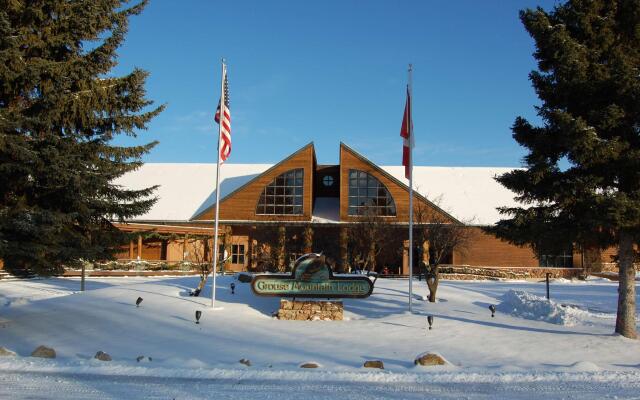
pixel 130 249
pixel 139 247
pixel 282 240
pixel 405 257
pixel 184 248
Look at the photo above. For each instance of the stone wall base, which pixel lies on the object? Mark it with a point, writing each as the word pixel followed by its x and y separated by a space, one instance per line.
pixel 466 272
pixel 310 310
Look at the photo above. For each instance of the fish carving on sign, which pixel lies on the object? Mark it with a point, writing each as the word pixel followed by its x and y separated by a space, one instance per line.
pixel 312 268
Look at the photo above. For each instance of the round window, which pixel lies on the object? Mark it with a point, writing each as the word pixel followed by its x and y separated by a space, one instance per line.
pixel 327 180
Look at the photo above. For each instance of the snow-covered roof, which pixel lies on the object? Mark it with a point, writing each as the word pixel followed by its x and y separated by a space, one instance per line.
pixel 187 189
pixel 471 194
pixel 468 193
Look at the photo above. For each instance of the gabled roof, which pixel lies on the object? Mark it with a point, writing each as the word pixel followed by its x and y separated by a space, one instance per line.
pixel 256 176
pixel 397 182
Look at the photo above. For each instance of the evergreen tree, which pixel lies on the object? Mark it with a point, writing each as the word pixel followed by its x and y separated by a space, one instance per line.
pixel 59 112
pixel 581 181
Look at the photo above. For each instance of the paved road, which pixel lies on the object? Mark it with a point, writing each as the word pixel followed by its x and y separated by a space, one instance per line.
pixel 38 385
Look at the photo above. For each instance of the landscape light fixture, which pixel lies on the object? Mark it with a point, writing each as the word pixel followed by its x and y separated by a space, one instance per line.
pixel 233 288
pixel 138 301
pixel 198 315
pixel 547 279
pixel 430 321
pixel 493 310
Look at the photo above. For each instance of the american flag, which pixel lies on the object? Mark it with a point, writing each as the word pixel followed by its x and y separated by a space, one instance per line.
pixel 407 134
pixel 225 142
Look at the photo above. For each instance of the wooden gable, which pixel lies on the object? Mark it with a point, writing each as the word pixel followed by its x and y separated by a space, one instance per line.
pixel 350 159
pixel 240 205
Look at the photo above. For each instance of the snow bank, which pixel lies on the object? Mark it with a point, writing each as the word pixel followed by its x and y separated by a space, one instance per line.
pixel 529 306
pixel 579 372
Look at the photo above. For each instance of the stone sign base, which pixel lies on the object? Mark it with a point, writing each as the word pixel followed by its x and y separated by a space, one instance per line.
pixel 310 310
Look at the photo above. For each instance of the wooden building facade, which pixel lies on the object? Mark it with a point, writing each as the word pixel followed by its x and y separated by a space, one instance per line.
pixel 298 205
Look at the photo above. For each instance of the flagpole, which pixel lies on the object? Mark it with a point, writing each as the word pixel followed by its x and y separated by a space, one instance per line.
pixel 410 189
pixel 215 229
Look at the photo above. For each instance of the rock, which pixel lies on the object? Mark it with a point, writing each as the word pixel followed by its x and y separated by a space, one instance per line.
pixel 245 362
pixel 374 364
pixel 6 352
pixel 102 356
pixel 44 352
pixel 429 359
pixel 309 365
pixel 139 358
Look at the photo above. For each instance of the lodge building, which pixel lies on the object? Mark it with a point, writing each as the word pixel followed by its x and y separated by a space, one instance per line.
pixel 270 214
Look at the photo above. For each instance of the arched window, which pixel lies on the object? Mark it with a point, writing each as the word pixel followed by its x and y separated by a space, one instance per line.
pixel 283 196
pixel 368 194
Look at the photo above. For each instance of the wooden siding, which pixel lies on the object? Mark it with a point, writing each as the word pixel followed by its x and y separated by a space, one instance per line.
pixel 400 193
pixel 151 250
pixel 241 205
pixel 486 250
pixel 175 250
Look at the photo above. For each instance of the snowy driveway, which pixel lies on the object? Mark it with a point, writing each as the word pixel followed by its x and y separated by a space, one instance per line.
pixel 29 385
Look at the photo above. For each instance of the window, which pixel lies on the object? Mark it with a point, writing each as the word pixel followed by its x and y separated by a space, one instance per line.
pixel 237 254
pixel 327 180
pixel 283 196
pixel 560 260
pixel 368 193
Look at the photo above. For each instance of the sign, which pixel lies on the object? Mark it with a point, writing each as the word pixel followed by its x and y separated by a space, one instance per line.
pixel 312 277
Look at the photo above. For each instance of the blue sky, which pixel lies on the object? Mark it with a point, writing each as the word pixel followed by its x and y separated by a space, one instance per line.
pixel 332 71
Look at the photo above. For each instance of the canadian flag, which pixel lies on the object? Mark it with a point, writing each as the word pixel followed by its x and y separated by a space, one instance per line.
pixel 407 135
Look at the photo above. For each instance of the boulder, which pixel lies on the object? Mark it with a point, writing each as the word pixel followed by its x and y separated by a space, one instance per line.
pixel 6 352
pixel 374 364
pixel 429 359
pixel 102 356
pixel 44 352
pixel 309 365
pixel 245 362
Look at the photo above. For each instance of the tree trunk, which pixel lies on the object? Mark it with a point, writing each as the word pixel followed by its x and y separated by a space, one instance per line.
pixel 432 277
pixel 371 257
pixel 626 318
pixel 344 244
pixel 308 239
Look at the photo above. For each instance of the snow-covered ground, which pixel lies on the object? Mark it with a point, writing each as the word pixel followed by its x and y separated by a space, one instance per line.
pixel 531 349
